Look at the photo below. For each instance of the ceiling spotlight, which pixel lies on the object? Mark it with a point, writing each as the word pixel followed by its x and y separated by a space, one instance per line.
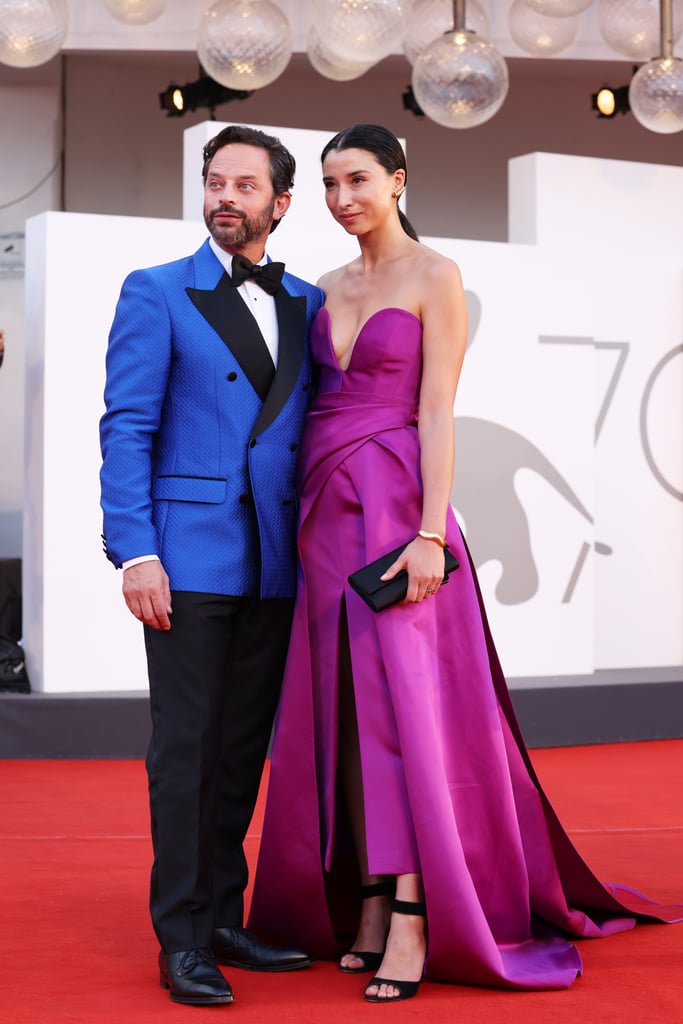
pixel 176 100
pixel 609 102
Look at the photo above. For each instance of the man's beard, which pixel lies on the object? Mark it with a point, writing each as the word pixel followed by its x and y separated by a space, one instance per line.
pixel 248 229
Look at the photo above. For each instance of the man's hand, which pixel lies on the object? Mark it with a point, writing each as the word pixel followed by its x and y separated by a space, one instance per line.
pixel 147 593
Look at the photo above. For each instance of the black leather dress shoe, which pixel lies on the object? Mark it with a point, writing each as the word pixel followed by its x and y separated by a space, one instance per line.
pixel 192 977
pixel 239 948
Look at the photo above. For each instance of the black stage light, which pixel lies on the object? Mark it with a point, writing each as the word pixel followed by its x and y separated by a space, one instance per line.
pixel 176 100
pixel 411 104
pixel 608 102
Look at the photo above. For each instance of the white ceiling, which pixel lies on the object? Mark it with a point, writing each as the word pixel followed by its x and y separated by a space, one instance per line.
pixel 92 27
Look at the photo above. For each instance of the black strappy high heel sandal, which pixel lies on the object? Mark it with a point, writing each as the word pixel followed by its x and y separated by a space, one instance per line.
pixel 371 961
pixel 406 989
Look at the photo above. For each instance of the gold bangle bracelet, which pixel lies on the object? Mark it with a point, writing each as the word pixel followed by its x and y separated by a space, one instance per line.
pixel 436 537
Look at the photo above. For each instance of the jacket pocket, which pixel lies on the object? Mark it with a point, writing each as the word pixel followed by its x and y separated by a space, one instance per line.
pixel 190 488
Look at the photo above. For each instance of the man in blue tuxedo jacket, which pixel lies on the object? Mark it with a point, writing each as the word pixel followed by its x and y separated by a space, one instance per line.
pixel 208 382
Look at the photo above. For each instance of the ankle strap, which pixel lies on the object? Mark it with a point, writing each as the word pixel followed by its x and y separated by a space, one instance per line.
pixel 405 907
pixel 387 888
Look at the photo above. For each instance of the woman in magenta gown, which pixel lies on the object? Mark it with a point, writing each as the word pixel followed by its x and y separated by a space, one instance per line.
pixel 398 768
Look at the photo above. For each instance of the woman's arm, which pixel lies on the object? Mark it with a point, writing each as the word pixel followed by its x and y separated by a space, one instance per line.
pixel 444 339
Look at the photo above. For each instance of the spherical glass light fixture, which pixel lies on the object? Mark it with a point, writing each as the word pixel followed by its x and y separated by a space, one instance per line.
pixel 31 33
pixel 244 44
pixel 537 33
pixel 460 81
pixel 135 12
pixel 558 8
pixel 428 19
pixel 656 95
pixel 632 27
pixel 329 66
pixel 360 30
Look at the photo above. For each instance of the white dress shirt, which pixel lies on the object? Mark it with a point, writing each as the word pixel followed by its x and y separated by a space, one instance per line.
pixel 261 305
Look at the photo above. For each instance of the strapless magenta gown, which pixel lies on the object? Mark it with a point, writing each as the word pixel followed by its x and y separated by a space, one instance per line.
pixel 448 785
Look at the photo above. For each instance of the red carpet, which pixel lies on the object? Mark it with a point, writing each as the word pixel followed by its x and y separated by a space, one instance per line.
pixel 76 944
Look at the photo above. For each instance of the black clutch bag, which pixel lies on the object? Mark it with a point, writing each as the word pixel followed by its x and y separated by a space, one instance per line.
pixel 381 594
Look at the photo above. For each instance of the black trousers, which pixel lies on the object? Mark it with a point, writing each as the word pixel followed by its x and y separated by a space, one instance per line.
pixel 214 679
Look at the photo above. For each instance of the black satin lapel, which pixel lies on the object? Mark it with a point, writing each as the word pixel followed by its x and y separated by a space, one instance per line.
pixel 291 318
pixel 225 310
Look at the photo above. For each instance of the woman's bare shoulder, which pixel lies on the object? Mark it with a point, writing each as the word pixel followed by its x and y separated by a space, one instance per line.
pixel 435 264
pixel 334 277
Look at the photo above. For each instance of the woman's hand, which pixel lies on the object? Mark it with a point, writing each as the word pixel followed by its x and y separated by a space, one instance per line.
pixel 424 562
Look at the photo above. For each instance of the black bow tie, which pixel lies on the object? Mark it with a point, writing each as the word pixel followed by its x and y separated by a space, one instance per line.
pixel 267 276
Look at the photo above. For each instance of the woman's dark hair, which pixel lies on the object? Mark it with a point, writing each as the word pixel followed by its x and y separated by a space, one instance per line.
pixel 282 163
pixel 383 145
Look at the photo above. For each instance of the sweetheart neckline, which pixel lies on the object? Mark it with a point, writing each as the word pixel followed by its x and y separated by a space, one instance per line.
pixel 384 309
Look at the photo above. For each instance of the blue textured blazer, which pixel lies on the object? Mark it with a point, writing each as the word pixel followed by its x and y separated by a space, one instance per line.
pixel 200 435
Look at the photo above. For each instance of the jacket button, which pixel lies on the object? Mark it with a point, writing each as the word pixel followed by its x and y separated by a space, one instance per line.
pixel 252 443
pixel 288 501
pixel 244 499
pixel 232 375
pixel 293 446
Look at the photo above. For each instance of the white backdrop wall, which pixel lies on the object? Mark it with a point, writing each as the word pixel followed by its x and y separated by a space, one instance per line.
pixel 26 158
pixel 622 223
pixel 532 392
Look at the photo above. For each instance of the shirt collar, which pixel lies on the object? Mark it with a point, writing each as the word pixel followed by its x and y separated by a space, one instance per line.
pixel 225 258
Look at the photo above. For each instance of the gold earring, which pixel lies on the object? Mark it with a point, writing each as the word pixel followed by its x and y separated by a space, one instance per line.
pixel 398 193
